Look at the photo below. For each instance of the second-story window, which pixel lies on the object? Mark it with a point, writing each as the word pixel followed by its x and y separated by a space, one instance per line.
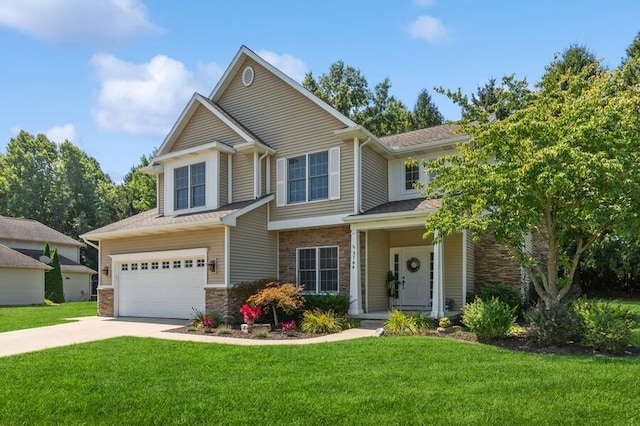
pixel 411 176
pixel 308 177
pixel 189 186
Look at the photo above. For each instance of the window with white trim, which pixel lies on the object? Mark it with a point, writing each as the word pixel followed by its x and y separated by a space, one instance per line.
pixel 308 177
pixel 411 176
pixel 189 186
pixel 318 269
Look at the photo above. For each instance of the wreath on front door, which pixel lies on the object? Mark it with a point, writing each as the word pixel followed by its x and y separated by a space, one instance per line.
pixel 413 264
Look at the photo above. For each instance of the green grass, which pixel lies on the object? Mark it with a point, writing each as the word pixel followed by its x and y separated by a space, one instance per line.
pixel 634 306
pixel 21 317
pixel 379 381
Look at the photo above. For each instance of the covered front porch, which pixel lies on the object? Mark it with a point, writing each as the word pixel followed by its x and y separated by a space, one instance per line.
pixel 394 267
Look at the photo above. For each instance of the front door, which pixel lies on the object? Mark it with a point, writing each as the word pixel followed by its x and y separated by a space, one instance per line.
pixel 412 266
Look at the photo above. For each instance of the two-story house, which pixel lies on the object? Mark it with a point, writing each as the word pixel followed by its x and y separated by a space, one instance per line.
pixel 22 270
pixel 261 179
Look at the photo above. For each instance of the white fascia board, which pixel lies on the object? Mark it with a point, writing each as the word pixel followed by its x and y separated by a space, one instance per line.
pixel 211 146
pixel 307 222
pixel 231 70
pixel 152 170
pixel 244 135
pixel 254 146
pixel 362 133
pixel 155 229
pixel 161 254
pixel 230 219
pixel 389 224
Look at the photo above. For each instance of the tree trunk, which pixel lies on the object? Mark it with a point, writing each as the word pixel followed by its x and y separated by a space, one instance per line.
pixel 275 315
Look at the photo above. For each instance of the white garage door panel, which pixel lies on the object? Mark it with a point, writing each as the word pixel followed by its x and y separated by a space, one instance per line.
pixel 172 292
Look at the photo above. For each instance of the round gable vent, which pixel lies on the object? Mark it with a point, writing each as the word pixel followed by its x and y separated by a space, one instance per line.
pixel 247 76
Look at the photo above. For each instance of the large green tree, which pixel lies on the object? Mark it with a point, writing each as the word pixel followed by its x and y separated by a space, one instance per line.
pixel 563 167
pixel 425 112
pixel 137 193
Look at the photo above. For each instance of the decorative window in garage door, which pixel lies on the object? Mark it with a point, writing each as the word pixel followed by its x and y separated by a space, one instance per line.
pixel 200 263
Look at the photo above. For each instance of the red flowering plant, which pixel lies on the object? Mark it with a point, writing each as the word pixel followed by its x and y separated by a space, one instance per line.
pixel 207 322
pixel 289 326
pixel 250 314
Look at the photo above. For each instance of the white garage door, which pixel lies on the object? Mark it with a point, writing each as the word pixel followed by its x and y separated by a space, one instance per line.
pixel 162 286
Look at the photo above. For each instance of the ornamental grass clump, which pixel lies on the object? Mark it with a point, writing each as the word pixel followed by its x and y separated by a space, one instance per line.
pixel 489 319
pixel 318 321
pixel 401 323
pixel 275 295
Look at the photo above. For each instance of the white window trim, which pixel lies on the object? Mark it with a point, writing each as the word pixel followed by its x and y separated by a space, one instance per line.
pixel 333 178
pixel 212 190
pixel 317 249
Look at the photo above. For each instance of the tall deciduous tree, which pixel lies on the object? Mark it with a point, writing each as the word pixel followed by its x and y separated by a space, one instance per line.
pixel 425 113
pixel 563 168
pixel 137 193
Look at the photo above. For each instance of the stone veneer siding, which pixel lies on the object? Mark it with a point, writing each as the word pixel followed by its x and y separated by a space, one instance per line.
pixel 217 300
pixel 339 236
pixel 493 265
pixel 105 302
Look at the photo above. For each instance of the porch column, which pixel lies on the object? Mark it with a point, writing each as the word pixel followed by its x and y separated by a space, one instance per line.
pixel 355 307
pixel 437 304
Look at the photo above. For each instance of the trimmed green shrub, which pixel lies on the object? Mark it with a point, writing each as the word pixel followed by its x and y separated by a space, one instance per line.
pixel 489 319
pixel 337 303
pixel 402 323
pixel 555 326
pixel 318 321
pixel 504 293
pixel 602 325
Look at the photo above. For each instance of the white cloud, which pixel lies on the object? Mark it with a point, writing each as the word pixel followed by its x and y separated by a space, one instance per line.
pixel 429 28
pixel 61 133
pixel 96 21
pixel 424 3
pixel 291 66
pixel 146 99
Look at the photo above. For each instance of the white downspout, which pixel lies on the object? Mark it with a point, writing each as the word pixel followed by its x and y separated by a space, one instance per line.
pixel 256 175
pixel 268 175
pixel 360 174
pixel 229 179
pixel 356 175
pixel 464 267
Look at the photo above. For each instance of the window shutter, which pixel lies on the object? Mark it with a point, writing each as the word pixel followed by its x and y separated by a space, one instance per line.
pixel 281 182
pixel 334 173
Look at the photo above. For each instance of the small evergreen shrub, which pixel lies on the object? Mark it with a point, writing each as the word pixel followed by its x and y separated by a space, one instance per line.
pixel 489 319
pixel 602 325
pixel 555 326
pixel 403 324
pixel 337 303
pixel 318 321
pixel 502 292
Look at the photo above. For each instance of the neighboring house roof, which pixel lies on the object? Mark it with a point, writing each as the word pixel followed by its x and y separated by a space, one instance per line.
pixel 401 208
pixel 430 135
pixel 151 222
pixel 66 264
pixel 32 230
pixel 10 258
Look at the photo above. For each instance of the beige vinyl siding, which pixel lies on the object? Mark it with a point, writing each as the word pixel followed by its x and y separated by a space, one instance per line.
pixel 375 184
pixel 470 263
pixel 160 201
pixel 224 180
pixel 253 248
pixel 21 286
pixel 76 286
pixel 242 177
pixel 453 268
pixel 378 263
pixel 212 238
pixel 204 127
pixel 408 238
pixel 293 125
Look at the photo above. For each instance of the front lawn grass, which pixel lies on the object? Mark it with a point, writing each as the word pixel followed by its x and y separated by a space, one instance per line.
pixel 378 381
pixel 21 317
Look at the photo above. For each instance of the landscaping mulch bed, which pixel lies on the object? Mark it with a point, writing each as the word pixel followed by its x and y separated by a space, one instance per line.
pixel 239 334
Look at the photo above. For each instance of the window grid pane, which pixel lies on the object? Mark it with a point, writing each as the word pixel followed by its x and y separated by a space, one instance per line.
pixel 198 175
pixel 319 176
pixel 181 187
pixel 297 176
pixel 411 176
pixel 328 269
pixel 307 269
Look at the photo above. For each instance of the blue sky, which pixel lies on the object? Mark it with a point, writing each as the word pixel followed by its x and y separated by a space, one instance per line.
pixel 112 76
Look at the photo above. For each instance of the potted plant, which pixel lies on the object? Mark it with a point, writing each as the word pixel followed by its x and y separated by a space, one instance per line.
pixel 391 284
pixel 250 316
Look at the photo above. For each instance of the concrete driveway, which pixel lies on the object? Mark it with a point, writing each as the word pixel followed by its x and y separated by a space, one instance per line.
pixel 90 329
pixel 85 329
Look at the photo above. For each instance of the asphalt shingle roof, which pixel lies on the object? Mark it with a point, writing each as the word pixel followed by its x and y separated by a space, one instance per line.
pixel 407 206
pixel 32 230
pixel 422 136
pixel 10 258
pixel 66 264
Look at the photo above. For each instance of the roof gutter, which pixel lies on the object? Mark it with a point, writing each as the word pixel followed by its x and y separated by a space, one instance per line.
pixel 151 229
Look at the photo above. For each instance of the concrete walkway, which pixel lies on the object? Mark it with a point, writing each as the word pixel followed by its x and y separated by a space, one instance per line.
pixel 90 329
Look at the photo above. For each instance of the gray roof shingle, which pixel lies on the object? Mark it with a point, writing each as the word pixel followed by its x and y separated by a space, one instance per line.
pixel 10 258
pixel 422 136
pixel 407 206
pixel 66 264
pixel 32 230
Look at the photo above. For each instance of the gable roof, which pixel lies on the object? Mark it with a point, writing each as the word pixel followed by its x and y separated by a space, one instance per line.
pixel 151 222
pixel 414 207
pixel 32 230
pixel 234 67
pixel 10 258
pixel 66 264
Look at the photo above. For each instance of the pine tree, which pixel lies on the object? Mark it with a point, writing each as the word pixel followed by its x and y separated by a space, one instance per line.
pixel 53 287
